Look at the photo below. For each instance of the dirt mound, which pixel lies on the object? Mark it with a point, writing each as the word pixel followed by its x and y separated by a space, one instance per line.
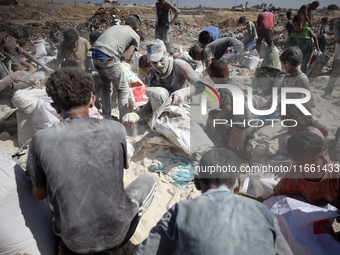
pixel 104 18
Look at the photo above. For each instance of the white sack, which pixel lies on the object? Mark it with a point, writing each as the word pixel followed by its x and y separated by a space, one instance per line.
pixel 174 123
pixel 305 226
pixel 26 100
pixel 44 115
pixel 25 222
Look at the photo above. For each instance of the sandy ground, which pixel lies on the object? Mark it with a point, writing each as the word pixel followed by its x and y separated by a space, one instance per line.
pixel 168 191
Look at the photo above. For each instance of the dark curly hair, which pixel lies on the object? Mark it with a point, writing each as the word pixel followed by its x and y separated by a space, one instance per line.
pixel 11 28
pixel 70 87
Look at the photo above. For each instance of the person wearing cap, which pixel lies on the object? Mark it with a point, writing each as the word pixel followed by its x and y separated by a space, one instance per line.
pixel 163 24
pixel 209 35
pixel 72 47
pixel 306 12
pixel 169 77
pixel 225 49
pixel 265 25
pixel 218 221
pixel 115 44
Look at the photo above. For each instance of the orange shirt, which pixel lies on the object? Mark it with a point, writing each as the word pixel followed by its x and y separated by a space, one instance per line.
pixel 327 190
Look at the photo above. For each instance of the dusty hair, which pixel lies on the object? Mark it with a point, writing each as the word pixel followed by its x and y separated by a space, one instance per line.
pixel 11 28
pixel 221 157
pixel 134 21
pixel 70 87
pixel 293 55
pixel 303 142
pixel 193 51
pixel 71 35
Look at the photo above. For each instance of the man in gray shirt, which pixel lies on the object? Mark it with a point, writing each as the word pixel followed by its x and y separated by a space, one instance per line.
pixel 216 50
pixel 218 221
pixel 78 164
pixel 115 44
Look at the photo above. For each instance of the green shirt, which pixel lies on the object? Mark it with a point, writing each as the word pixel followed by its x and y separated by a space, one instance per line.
pixel 306 33
pixel 251 29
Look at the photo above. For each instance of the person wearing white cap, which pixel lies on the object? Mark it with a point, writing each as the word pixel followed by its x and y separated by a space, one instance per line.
pixel 169 77
pixel 115 44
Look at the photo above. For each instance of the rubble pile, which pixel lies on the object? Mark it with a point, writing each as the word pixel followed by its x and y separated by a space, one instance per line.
pixel 103 19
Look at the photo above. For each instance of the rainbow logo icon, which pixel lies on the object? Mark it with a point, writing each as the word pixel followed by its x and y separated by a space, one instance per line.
pixel 211 95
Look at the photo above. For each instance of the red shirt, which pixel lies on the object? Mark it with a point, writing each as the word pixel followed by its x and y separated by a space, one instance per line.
pixel 265 20
pixel 327 190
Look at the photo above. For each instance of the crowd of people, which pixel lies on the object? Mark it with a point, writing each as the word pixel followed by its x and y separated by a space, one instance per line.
pixel 77 165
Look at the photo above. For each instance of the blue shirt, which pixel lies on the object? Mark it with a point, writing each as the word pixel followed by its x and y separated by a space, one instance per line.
pixel 214 33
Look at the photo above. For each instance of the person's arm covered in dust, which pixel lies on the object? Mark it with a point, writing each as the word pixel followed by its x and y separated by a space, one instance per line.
pixel 128 53
pixel 17 77
pixel 27 65
pixel 175 10
pixel 186 72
